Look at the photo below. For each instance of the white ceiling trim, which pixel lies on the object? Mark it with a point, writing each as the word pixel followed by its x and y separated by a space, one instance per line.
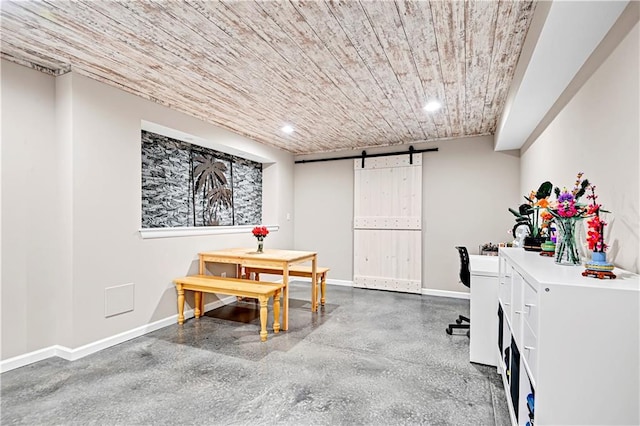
pixel 570 34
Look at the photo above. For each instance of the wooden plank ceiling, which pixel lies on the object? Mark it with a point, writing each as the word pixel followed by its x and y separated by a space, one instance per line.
pixel 344 74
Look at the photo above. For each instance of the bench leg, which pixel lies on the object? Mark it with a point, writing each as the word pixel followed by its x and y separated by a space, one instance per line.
pixel 323 287
pixel 180 304
pixel 314 294
pixel 276 312
pixel 198 298
pixel 263 317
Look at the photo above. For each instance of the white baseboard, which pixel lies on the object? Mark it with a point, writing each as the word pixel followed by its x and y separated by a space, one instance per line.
pixel 343 283
pixel 425 291
pixel 330 281
pixel 446 293
pixel 88 349
pixel 26 359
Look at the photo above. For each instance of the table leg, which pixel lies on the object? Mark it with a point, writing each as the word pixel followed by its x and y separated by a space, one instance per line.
pixel 198 298
pixel 285 308
pixel 323 287
pixel 276 312
pixel 180 304
pixel 202 305
pixel 263 317
pixel 314 284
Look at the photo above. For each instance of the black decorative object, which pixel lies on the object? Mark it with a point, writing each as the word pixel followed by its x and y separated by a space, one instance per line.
pixel 534 243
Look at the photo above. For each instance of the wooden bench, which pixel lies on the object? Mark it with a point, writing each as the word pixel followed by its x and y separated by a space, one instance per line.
pixel 235 287
pixel 295 271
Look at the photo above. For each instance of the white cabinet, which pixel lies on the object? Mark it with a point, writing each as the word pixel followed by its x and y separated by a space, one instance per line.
pixel 484 304
pixel 569 342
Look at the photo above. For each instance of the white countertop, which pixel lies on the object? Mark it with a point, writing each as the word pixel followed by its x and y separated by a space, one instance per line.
pixel 486 266
pixel 545 271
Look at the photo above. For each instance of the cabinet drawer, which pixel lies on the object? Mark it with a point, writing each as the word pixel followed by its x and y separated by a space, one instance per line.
pixel 530 350
pixel 504 295
pixel 531 307
pixel 517 306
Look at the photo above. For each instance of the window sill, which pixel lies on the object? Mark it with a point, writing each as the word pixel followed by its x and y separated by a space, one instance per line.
pixel 151 233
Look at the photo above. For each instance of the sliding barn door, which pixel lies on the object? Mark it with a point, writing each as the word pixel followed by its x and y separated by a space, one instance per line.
pixel 387 250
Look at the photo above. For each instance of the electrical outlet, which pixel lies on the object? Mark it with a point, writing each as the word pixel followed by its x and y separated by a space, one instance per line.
pixel 223 274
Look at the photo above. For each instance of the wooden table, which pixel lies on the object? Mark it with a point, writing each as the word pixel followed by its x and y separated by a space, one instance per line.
pixel 270 257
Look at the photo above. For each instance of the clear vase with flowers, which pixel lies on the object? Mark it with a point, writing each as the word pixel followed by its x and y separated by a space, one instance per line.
pixel 260 232
pixel 567 212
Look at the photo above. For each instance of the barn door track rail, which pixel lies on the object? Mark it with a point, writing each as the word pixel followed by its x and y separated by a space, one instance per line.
pixel 364 155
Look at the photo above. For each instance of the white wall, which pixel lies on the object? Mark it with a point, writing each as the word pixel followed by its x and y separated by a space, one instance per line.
pixel 323 214
pixel 30 214
pixel 598 133
pixel 71 210
pixel 467 189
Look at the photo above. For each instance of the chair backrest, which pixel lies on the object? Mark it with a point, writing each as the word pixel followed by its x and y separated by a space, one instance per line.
pixel 465 275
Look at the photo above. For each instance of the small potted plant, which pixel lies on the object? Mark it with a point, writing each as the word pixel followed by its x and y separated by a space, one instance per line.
pixel 528 215
pixel 599 267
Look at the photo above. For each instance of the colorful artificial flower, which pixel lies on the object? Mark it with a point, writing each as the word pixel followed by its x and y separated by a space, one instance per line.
pixel 567 202
pixel 546 219
pixel 528 214
pixel 595 233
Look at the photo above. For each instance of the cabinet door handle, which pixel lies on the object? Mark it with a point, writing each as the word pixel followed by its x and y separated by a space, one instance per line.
pixel 518 312
pixel 529 305
pixel 529 348
pixel 507 304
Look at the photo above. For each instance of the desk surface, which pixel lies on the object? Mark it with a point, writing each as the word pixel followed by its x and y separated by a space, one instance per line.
pixel 483 265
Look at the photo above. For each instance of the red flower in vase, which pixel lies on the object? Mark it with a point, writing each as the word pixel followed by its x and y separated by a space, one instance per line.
pixel 595 234
pixel 260 232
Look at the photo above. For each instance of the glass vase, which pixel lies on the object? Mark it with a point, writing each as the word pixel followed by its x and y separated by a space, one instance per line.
pixel 566 247
pixel 260 246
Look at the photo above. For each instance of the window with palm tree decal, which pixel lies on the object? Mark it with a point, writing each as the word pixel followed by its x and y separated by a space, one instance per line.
pixel 189 185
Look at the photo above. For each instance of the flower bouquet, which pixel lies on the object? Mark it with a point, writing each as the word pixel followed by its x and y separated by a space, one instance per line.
pixel 567 211
pixel 260 232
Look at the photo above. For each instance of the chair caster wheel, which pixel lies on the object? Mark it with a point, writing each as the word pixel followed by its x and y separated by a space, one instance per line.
pixel 458 321
pixel 449 331
pixel 468 334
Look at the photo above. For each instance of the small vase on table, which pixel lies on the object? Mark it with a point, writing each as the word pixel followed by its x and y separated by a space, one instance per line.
pixel 260 232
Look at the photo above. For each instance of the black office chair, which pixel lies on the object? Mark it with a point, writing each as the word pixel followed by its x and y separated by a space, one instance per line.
pixel 465 277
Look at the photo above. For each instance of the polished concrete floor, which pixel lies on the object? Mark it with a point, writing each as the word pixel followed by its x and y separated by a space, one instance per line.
pixel 367 358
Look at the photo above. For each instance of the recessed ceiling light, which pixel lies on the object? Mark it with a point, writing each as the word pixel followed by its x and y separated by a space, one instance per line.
pixel 288 129
pixel 432 106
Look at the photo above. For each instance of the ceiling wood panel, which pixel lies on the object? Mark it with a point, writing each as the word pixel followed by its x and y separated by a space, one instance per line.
pixel 345 74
